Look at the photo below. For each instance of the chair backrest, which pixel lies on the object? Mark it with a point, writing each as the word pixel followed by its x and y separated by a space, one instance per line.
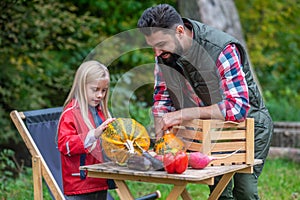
pixel 38 129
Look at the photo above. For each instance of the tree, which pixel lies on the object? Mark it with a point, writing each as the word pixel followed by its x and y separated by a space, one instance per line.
pixel 272 30
pixel 41 44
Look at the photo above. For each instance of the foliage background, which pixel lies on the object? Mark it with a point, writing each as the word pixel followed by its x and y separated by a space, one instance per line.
pixel 272 32
pixel 43 42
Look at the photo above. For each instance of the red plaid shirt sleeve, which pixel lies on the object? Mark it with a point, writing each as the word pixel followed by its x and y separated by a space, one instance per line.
pixel 233 85
pixel 162 101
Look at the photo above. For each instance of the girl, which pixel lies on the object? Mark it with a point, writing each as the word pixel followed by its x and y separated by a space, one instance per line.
pixel 84 118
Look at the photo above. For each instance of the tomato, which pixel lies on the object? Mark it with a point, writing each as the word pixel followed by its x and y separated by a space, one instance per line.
pixel 175 162
pixel 169 162
pixel 181 160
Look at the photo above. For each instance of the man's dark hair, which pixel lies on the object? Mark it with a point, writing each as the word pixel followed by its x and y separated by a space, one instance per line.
pixel 160 16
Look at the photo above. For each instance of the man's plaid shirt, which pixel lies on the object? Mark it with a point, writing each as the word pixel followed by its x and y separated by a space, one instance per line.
pixel 233 88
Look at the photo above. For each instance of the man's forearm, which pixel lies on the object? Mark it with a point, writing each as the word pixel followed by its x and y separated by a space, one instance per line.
pixel 208 112
pixel 158 127
pixel 177 117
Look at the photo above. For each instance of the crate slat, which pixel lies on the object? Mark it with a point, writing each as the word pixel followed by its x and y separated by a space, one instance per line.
pixel 228 146
pixel 193 146
pixel 190 134
pixel 215 135
pixel 234 159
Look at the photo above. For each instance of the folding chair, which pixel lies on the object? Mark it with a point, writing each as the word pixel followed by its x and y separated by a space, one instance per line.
pixel 38 130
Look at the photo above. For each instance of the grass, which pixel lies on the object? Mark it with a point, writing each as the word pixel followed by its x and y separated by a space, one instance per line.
pixel 279 180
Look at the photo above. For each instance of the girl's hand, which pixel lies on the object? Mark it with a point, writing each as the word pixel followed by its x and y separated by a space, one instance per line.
pixel 99 130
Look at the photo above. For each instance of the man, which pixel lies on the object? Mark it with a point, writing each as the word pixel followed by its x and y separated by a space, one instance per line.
pixel 204 73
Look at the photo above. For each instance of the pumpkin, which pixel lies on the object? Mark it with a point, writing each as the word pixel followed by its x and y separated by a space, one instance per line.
pixel 123 137
pixel 168 142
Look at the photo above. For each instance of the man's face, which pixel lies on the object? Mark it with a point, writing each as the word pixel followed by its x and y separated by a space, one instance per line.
pixel 164 44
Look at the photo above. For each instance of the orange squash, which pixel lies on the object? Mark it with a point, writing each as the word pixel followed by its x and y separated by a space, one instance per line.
pixel 168 142
pixel 122 137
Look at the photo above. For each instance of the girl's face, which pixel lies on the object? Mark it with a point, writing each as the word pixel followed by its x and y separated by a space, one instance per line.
pixel 96 91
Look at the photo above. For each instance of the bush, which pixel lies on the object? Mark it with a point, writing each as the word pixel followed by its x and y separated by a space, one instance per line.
pixel 272 32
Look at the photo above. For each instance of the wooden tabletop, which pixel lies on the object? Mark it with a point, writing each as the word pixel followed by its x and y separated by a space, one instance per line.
pixel 199 176
pixel 109 169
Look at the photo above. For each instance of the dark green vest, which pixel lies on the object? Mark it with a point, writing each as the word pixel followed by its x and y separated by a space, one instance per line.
pixel 198 66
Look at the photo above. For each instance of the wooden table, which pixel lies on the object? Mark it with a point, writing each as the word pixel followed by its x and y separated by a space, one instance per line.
pixel 180 181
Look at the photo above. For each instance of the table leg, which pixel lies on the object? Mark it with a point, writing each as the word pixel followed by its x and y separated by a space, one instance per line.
pixel 185 195
pixel 221 186
pixel 123 190
pixel 176 191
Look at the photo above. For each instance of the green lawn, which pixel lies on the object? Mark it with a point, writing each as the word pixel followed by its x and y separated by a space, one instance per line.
pixel 279 180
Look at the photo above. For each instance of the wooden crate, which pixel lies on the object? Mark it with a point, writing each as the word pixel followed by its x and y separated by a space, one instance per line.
pixel 219 138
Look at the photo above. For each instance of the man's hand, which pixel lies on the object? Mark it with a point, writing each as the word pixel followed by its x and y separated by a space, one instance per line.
pixel 172 118
pixel 177 117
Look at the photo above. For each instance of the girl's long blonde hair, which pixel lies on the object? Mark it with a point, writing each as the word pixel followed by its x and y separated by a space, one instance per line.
pixel 87 72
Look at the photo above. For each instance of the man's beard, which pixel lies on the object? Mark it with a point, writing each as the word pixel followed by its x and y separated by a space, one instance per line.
pixel 171 60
